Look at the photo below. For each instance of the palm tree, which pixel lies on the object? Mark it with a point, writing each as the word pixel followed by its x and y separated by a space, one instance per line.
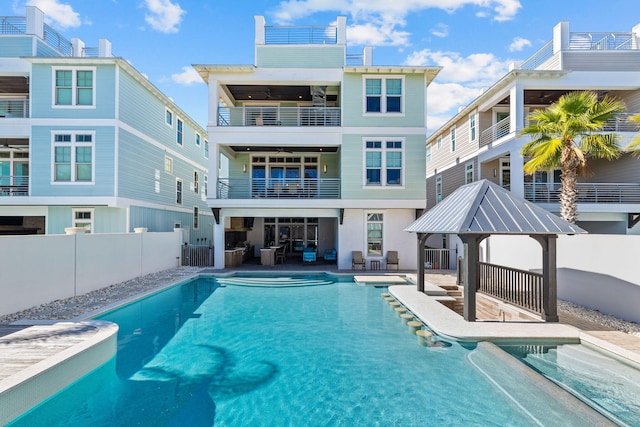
pixel 634 146
pixel 565 135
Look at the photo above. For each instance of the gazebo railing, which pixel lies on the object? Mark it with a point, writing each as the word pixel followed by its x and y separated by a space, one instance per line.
pixel 518 287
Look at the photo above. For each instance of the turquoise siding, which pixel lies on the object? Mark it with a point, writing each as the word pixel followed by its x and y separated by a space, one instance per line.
pixel 353 171
pixel 157 220
pixel 15 46
pixel 42 163
pixel 105 220
pixel 43 49
pixel 42 88
pixel 300 56
pixel 353 102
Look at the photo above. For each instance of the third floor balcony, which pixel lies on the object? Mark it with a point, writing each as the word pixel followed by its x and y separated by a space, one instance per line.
pixel 279 116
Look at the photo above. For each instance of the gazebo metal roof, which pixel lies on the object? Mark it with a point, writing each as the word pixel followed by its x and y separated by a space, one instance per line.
pixel 483 207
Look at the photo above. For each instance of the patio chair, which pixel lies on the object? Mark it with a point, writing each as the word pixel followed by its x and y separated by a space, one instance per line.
pixel 331 255
pixel 309 255
pixel 357 259
pixel 392 259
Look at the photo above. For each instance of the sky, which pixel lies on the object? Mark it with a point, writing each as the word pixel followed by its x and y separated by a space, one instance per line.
pixel 473 40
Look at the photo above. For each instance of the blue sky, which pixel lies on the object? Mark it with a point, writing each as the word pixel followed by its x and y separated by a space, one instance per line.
pixel 474 40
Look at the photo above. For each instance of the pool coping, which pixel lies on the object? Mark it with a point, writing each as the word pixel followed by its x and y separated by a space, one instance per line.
pixel 447 323
pixel 28 386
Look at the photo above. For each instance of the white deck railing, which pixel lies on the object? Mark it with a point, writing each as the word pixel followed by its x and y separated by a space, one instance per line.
pixel 272 188
pixel 588 192
pixel 279 116
pixel 495 132
pixel 603 41
pixel 14 108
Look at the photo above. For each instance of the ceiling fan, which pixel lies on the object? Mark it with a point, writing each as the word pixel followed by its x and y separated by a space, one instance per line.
pixel 281 150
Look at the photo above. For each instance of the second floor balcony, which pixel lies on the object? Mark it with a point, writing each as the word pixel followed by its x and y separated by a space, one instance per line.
pixel 14 185
pixel 14 108
pixel 279 116
pixel 260 188
pixel 588 192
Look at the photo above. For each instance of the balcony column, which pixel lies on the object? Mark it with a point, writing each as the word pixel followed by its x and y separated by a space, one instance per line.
pixel 517 173
pixel 636 33
pixel 516 123
pixel 214 102
pixel 35 21
pixel 342 30
pixel 259 29
pixel 218 243
pixel 77 47
pixel 561 37
pixel 104 48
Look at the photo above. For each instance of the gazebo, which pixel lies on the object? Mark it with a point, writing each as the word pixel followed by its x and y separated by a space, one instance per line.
pixel 478 210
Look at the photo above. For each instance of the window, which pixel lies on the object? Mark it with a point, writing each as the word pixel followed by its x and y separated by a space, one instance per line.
pixel 438 188
pixel 383 163
pixel 197 139
pixel 83 218
pixel 168 164
pixel 168 117
pixel 472 126
pixel 374 234
pixel 468 173
pixel 179 125
pixel 205 185
pixel 195 217
pixel 452 134
pixel 73 157
pixel 196 184
pixel 74 87
pixel 179 191
pixel 206 149
pixel 428 153
pixel 439 143
pixel 383 95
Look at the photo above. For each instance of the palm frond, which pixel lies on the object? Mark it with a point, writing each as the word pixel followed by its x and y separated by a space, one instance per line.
pixel 634 146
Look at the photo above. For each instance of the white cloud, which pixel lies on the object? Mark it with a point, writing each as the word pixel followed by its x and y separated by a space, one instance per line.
pixel 447 97
pixel 440 30
pixel 481 68
pixel 163 15
pixel 518 44
pixel 375 35
pixel 187 77
pixel 58 14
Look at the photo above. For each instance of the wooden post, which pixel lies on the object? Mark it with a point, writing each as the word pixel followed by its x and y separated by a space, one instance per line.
pixel 471 274
pixel 422 238
pixel 549 277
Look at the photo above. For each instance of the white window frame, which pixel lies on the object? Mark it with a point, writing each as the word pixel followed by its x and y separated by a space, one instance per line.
pixel 169 117
pixel 439 142
pixel 179 192
pixel 473 126
pixel 383 96
pixel 205 185
pixel 452 139
pixel 198 139
pixel 206 149
pixel 469 173
pixel 73 144
pixel 367 214
pixel 196 181
pixel 179 131
pixel 196 217
pixel 76 221
pixel 168 165
pixel 74 87
pixel 438 188
pixel 383 166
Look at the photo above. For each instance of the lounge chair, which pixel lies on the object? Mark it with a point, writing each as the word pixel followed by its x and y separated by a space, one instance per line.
pixel 357 259
pixel 309 255
pixel 392 259
pixel 331 255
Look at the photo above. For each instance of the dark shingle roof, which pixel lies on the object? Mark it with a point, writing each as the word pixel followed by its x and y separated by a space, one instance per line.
pixel 483 207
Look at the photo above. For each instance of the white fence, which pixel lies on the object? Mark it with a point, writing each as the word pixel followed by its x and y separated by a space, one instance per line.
pixel 39 269
pixel 598 271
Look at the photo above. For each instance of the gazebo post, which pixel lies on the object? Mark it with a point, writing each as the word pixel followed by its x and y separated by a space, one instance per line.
pixel 470 275
pixel 422 238
pixel 549 277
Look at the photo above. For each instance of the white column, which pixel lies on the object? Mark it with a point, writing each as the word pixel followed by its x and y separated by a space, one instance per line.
pixel 516 108
pixel 77 46
pixel 517 173
pixel 368 56
pixel 218 243
pixel 342 30
pixel 104 48
pixel 561 36
pixel 636 32
pixel 259 29
pixel 214 101
pixel 35 21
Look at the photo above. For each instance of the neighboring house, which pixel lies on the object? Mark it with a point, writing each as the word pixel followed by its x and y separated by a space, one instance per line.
pixel 324 149
pixel 86 140
pixel 482 142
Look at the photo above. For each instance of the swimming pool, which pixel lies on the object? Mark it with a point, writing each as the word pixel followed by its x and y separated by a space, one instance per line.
pixel 207 353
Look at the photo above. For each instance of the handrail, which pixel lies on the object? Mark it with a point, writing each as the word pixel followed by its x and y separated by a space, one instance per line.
pixel 13 25
pixel 518 287
pixel 18 108
pixel 538 58
pixel 272 188
pixel 495 132
pixel 603 41
pixel 588 192
pixel 620 123
pixel 354 59
pixel 279 116
pixel 301 34
pixel 57 41
pixel 14 185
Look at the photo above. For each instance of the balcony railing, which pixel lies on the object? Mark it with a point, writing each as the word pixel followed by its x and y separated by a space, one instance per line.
pixel 588 192
pixel 14 108
pixel 270 188
pixel 279 116
pixel 13 24
pixel 603 41
pixel 621 123
pixel 538 58
pixel 14 186
pixel 495 132
pixel 518 287
pixel 301 35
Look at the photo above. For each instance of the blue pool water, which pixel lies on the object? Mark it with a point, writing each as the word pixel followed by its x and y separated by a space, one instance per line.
pixel 333 354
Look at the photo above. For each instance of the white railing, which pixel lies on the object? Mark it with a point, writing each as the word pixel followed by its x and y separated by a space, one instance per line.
pixel 620 123
pixel 495 132
pixel 538 58
pixel 14 185
pixel 301 34
pixel 13 25
pixel 439 259
pixel 272 188
pixel 603 41
pixel 279 116
pixel 588 192
pixel 10 108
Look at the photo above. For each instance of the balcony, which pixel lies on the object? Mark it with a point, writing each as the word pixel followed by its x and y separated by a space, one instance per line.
pixel 14 108
pixel 495 132
pixel 14 186
pixel 301 35
pixel 588 192
pixel 308 188
pixel 621 123
pixel 279 116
